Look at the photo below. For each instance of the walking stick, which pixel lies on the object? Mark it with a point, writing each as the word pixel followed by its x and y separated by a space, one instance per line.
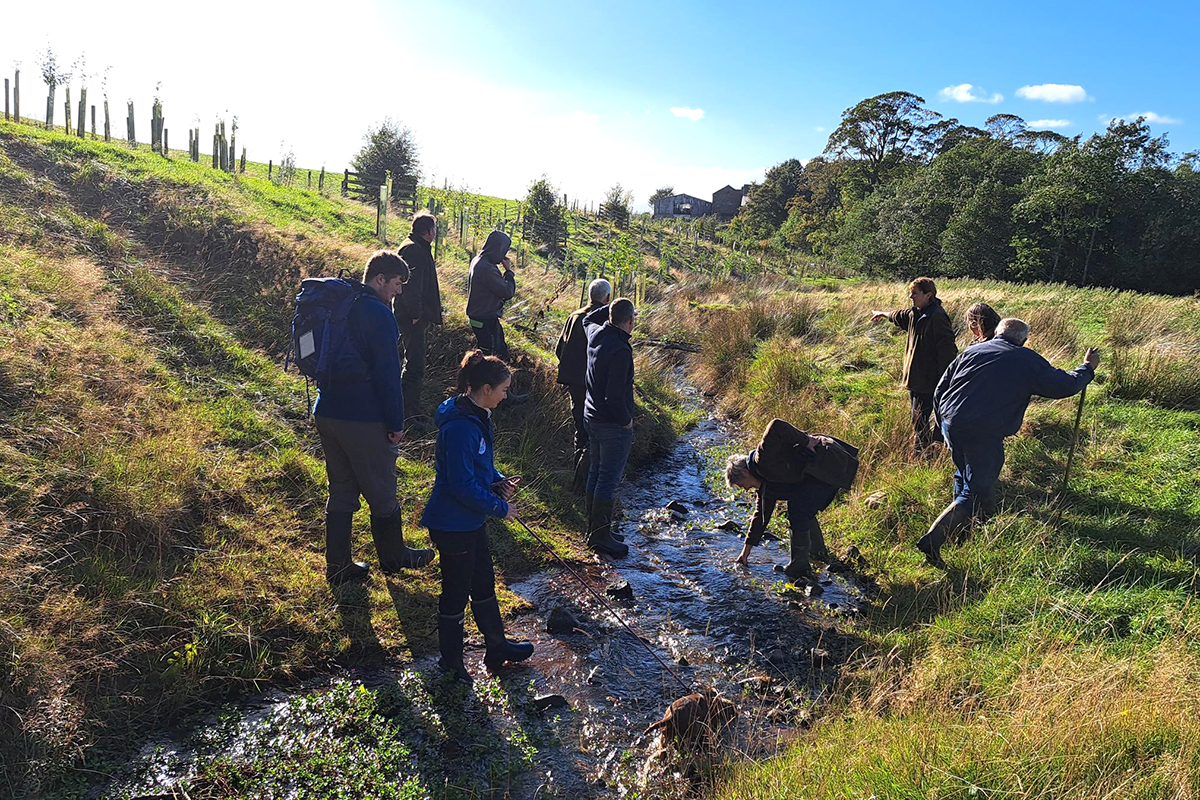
pixel 1062 492
pixel 606 604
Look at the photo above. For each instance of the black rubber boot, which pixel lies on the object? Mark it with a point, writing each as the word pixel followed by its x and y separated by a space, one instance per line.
pixel 600 536
pixel 816 543
pixel 500 649
pixel 340 567
pixel 394 555
pixel 799 568
pixel 450 643
pixel 948 523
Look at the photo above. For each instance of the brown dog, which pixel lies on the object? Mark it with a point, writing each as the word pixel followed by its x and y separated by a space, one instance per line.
pixel 696 716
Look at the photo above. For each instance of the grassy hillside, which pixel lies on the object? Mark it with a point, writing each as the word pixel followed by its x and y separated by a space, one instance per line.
pixel 1050 660
pixel 161 487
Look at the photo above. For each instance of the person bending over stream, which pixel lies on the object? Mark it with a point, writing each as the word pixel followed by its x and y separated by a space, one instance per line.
pixel 467 489
pixel 806 471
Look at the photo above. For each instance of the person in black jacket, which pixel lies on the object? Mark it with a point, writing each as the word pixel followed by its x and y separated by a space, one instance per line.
pixel 418 307
pixel 929 350
pixel 806 470
pixel 572 370
pixel 608 414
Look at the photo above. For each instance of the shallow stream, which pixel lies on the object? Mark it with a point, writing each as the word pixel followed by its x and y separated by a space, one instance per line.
pixel 767 647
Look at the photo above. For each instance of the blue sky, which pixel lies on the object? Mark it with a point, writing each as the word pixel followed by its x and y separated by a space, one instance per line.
pixel 498 94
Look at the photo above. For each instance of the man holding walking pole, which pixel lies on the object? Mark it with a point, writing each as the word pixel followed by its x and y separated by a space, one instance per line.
pixel 979 401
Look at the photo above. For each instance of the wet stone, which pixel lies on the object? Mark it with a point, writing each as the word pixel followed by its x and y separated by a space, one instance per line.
pixel 620 591
pixel 683 662
pixel 548 701
pixel 730 525
pixel 777 657
pixel 561 621
pixel 678 507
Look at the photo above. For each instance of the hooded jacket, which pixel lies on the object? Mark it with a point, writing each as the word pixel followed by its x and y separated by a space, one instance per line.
pixel 488 289
pixel 377 395
pixel 930 347
pixel 462 498
pixel 987 387
pixel 572 346
pixel 609 377
pixel 422 297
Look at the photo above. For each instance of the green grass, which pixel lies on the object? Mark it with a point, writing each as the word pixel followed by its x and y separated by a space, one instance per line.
pixel 1055 657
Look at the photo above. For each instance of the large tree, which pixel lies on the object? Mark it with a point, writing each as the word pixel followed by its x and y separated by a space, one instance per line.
pixel 882 131
pixel 661 194
pixel 767 207
pixel 390 146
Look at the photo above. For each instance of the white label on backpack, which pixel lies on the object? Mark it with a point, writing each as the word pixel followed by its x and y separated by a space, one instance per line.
pixel 482 447
pixel 307 347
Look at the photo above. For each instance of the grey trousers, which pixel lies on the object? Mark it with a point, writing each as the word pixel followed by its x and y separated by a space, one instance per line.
pixel 359 460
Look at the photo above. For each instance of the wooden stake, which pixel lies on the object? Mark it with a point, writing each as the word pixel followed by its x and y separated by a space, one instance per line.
pixel 166 148
pixel 17 96
pixel 93 122
pixel 242 166
pixel 81 128
pixel 6 117
pixel 67 105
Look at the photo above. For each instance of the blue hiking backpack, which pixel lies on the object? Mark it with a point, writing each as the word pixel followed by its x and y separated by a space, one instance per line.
pixel 321 344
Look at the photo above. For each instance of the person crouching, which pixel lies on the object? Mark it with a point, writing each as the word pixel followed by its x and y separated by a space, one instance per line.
pixel 806 471
pixel 467 489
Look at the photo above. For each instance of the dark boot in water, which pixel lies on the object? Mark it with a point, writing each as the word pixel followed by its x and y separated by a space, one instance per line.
pixel 450 643
pixel 394 554
pixel 799 569
pixel 340 567
pixel 600 536
pixel 500 648
pixel 953 517
pixel 816 543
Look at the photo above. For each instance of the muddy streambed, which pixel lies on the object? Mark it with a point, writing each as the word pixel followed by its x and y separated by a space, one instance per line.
pixel 770 648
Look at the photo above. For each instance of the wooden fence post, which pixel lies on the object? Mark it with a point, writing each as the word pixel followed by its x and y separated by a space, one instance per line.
pixel 107 129
pixel 6 117
pixel 166 148
pixel 310 179
pixel 93 122
pixel 346 183
pixel 67 105
pixel 81 128
pixel 233 148
pixel 216 162
pixel 50 109
pixel 321 180
pixel 270 168
pixel 17 96
pixel 242 166
pixel 132 130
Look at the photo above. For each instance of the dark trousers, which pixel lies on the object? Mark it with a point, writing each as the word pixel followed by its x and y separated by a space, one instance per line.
pixel 490 336
pixel 808 498
pixel 924 436
pixel 412 356
pixel 467 571
pixel 977 461
pixel 611 444
pixel 578 392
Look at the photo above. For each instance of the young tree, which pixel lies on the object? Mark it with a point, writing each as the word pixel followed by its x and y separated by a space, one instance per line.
pixel 617 203
pixel 53 74
pixel 545 217
pixel 389 146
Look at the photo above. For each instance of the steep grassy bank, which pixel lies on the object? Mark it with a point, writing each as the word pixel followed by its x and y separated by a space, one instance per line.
pixel 161 487
pixel 1050 660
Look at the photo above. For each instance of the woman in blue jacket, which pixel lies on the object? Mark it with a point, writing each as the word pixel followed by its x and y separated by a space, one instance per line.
pixel 467 489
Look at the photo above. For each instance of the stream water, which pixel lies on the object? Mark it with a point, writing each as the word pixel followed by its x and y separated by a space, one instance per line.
pixel 767 647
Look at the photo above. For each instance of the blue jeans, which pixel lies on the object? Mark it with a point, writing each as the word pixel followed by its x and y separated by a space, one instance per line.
pixel 977 461
pixel 609 445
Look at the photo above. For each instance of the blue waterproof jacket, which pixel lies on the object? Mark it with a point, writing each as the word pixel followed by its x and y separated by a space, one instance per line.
pixel 462 497
pixel 609 377
pixel 987 387
pixel 376 396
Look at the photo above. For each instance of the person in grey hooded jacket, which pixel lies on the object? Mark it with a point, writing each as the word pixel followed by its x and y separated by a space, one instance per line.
pixel 488 290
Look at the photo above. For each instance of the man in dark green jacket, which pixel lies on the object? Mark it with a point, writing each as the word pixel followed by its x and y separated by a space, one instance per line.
pixel 572 369
pixel 419 307
pixel 929 351
pixel 806 470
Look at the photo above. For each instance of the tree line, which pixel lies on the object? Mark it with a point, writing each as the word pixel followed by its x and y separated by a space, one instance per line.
pixel 902 190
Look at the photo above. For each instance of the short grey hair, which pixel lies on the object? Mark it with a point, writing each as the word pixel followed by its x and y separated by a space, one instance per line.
pixel 737 469
pixel 599 291
pixel 1014 330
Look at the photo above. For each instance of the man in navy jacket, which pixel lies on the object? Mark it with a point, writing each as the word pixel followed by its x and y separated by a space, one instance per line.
pixel 608 413
pixel 361 422
pixel 981 399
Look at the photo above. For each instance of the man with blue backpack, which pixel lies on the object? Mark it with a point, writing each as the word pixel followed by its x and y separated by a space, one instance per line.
pixel 345 336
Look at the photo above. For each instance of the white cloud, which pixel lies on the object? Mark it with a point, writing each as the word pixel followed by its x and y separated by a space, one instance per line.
pixel 820 129
pixel 1157 119
pixel 1053 93
pixel 966 93
pixel 688 113
pixel 1044 124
